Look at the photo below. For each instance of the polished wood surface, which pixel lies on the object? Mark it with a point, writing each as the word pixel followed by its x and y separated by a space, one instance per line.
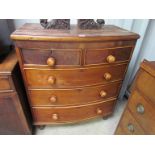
pixel 107 56
pixel 148 87
pixel 8 64
pixel 141 103
pixel 15 117
pixel 5 83
pixel 70 114
pixel 129 125
pixel 65 78
pixel 146 119
pixel 74 96
pixel 52 58
pixel 108 32
pixel 70 75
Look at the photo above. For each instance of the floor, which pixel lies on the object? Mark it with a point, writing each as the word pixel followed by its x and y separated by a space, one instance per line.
pixel 91 127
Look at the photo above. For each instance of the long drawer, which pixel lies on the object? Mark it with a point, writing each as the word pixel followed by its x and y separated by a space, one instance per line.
pixel 66 78
pixel 50 115
pixel 61 97
pixel 143 111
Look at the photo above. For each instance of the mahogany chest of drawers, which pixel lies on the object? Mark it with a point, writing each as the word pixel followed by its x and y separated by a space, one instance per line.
pixel 72 75
pixel 139 116
pixel 15 117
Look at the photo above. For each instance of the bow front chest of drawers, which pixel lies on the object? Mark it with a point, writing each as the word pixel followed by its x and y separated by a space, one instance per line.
pixel 72 75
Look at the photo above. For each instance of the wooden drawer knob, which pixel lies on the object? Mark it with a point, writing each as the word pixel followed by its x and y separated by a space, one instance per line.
pixel 53 99
pixel 103 93
pixel 107 76
pixel 99 111
pixel 140 108
pixel 111 59
pixel 51 80
pixel 50 61
pixel 55 117
pixel 131 127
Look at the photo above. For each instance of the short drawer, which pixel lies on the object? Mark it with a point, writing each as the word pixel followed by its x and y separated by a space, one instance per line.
pixel 111 55
pixel 50 115
pixel 147 88
pixel 61 97
pixel 143 111
pixel 128 125
pixel 52 58
pixel 5 84
pixel 65 78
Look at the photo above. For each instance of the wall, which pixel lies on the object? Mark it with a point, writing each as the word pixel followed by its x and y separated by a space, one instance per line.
pixel 147 49
pixel 4 32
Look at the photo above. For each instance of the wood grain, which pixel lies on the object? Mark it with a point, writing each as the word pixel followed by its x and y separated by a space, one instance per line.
pixel 79 96
pixel 15 117
pixel 44 115
pixel 36 32
pixel 67 78
pixel 79 76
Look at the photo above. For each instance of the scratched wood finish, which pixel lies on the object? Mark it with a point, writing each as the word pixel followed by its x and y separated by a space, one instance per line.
pixel 65 71
pixel 141 103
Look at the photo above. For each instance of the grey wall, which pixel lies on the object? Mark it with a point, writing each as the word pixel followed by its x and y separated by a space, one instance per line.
pixel 4 32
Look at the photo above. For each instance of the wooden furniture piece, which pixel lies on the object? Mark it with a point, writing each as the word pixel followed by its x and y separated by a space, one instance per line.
pixel 72 75
pixel 15 115
pixel 139 115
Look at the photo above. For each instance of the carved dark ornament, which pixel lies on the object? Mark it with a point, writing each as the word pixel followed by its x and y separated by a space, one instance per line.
pixel 55 23
pixel 90 23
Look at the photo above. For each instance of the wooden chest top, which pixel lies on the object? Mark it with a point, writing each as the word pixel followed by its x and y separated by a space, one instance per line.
pixel 107 33
pixel 7 65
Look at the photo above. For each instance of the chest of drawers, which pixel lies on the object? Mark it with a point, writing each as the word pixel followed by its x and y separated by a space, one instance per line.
pixel 15 116
pixel 72 75
pixel 139 115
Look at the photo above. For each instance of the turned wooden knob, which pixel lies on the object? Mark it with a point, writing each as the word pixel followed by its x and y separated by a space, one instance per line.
pixel 53 99
pixel 51 80
pixel 51 61
pixel 111 59
pixel 99 111
pixel 107 76
pixel 103 93
pixel 55 117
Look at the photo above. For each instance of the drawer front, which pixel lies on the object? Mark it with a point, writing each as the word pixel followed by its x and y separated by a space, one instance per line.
pixel 51 58
pixel 128 125
pixel 61 97
pixel 143 111
pixel 49 115
pixel 148 88
pixel 5 83
pixel 57 78
pixel 112 55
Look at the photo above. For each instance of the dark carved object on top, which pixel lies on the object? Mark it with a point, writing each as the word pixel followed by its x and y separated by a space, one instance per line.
pixel 55 23
pixel 90 23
